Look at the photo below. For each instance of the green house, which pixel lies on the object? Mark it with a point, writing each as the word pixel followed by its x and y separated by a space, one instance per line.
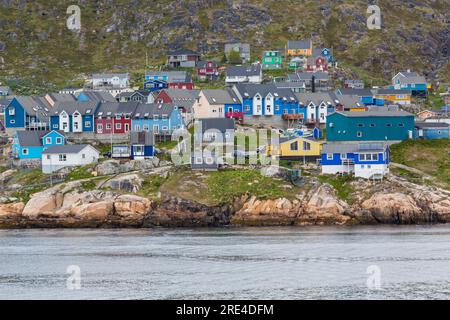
pixel 380 125
pixel 272 60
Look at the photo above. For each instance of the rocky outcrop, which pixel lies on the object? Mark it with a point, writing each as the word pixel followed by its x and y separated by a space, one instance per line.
pixel 394 201
pixel 129 183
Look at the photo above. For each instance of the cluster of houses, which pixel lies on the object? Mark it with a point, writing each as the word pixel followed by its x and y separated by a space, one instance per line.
pixel 360 123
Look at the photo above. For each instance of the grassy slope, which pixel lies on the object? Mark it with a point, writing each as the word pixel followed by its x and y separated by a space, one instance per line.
pixel 430 156
pixel 61 58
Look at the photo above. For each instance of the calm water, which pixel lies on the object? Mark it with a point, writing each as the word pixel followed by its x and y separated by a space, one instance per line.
pixel 263 263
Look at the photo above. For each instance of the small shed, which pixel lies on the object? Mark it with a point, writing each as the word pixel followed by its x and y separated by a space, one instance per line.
pixel 142 145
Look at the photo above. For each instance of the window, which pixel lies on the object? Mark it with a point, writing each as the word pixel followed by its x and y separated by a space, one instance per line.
pixel 359 134
pixel 145 128
pixel 58 140
pixel 118 117
pixel 12 111
pixel 329 156
pixel 99 127
pixel 48 157
pixel 83 156
pixel 62 157
pixel 375 157
pixel 360 125
pixel 48 140
pixel 372 125
pixel 388 125
pixel 87 124
pixel 294 146
pixel 165 128
pixel 108 126
pixel 306 146
pixel 343 156
pixel 401 125
pixel 118 126
pixel 55 126
pixel 137 128
pixel 25 151
pixel 12 121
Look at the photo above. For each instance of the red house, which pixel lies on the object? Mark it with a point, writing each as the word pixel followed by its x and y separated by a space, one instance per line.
pixel 207 70
pixel 114 117
pixel 315 64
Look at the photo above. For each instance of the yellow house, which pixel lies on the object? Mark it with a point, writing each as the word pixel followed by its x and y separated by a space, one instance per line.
pixel 296 148
pixel 402 97
pixel 299 48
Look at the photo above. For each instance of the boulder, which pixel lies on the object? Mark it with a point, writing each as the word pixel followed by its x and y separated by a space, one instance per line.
pixel 93 211
pixel 129 183
pixel 10 210
pixel 108 167
pixel 7 175
pixel 394 208
pixel 130 205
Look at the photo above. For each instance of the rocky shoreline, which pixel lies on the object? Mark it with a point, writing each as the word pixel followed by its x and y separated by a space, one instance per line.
pixel 394 201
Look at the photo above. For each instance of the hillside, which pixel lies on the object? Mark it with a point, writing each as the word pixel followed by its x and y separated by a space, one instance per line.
pixel 36 46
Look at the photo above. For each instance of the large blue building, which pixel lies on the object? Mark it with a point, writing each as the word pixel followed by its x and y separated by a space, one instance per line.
pixel 382 125
pixel 158 118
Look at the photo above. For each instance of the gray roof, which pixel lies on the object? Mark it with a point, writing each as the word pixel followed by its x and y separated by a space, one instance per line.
pixel 221 124
pixel 244 71
pixel 202 64
pixel 349 100
pixel 101 96
pixel 68 148
pixel 182 94
pixel 317 98
pixel 305 76
pixel 83 107
pixel 220 96
pixel 299 44
pixel 34 105
pixel 432 125
pixel 247 90
pixel 412 77
pixel 375 113
pixel 297 84
pixel 356 92
pixel 172 76
pixel 116 108
pixel 148 110
pixel 61 97
pixel 31 138
pixel 348 147
pixel 143 137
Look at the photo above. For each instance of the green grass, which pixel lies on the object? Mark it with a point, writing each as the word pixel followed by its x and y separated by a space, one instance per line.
pixel 341 184
pixel 429 156
pixel 80 173
pixel 223 186
pixel 151 186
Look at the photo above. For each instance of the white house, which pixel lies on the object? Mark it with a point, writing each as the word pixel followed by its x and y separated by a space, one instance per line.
pixel 244 74
pixel 58 157
pixel 110 80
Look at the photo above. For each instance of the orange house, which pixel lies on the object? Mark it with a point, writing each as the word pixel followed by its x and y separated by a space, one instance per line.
pixel 299 48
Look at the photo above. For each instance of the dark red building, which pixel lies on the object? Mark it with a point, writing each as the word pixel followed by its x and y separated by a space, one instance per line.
pixel 207 70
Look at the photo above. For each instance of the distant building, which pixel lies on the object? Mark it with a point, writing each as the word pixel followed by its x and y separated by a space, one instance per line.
pixel 314 81
pixel 366 95
pixel 431 130
pixel 217 103
pixel 244 74
pixel 159 80
pixel 110 81
pixel 299 48
pixel 410 81
pixel 74 155
pixel 27 113
pixel 353 84
pixel 142 145
pixel 242 48
pixel 272 59
pixel 207 70
pixel 4 91
pixel 392 96
pixel 30 144
pixel 182 58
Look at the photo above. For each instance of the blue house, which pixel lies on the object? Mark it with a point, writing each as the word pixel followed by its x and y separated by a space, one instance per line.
pixel 97 96
pixel 268 104
pixel 31 144
pixel 73 116
pixel 365 160
pixel 142 145
pixel 365 95
pixel 410 81
pixel 431 130
pixel 157 118
pixel 372 125
pixel 27 113
pixel 159 80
